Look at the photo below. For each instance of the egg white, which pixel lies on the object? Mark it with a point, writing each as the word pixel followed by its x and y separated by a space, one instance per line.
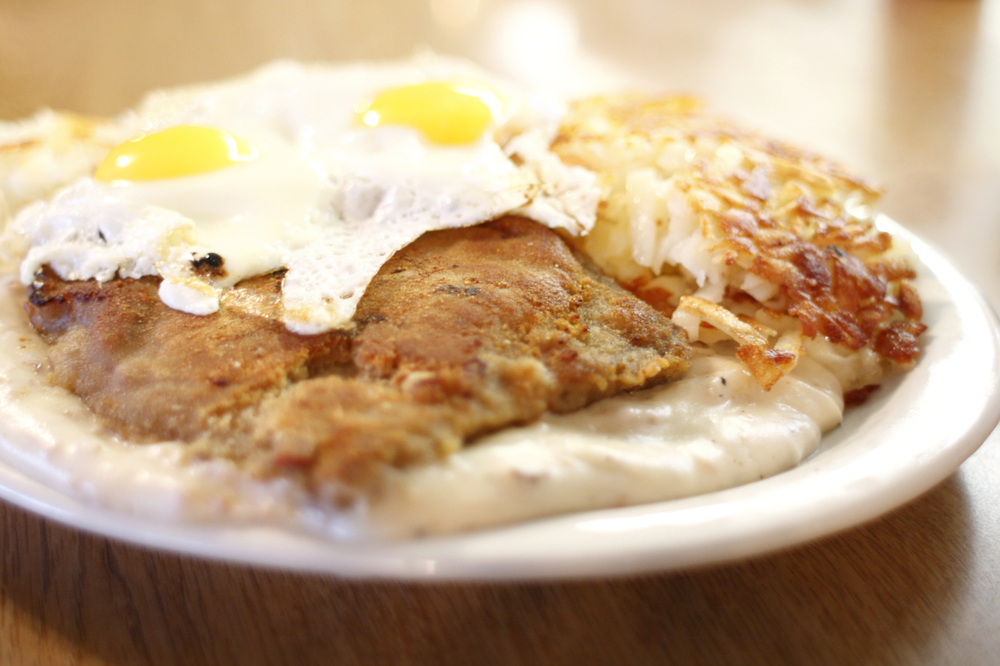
pixel 327 199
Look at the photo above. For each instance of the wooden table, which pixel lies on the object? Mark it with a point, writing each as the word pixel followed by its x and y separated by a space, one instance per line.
pixel 907 92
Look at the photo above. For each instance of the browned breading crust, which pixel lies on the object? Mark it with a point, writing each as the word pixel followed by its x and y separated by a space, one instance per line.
pixel 463 332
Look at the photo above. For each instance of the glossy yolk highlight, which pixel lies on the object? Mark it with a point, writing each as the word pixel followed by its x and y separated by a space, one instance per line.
pixel 448 113
pixel 176 151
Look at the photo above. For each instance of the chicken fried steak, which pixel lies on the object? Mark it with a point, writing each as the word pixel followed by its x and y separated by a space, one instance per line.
pixel 463 332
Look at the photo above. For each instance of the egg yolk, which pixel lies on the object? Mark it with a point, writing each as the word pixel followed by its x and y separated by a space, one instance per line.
pixel 176 151
pixel 448 113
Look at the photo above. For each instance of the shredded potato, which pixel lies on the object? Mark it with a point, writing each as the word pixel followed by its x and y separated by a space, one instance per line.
pixel 730 232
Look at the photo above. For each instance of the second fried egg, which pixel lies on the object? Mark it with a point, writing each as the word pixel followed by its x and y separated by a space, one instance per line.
pixel 324 171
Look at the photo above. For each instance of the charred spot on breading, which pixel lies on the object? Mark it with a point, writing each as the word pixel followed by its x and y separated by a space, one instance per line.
pixel 209 265
pixel 457 291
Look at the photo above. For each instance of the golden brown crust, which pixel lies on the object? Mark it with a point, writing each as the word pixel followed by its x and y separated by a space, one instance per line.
pixel 768 209
pixel 463 332
pixel 828 285
pixel 158 373
pixel 652 122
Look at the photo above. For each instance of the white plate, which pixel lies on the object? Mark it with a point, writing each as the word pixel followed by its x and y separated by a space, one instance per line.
pixel 911 434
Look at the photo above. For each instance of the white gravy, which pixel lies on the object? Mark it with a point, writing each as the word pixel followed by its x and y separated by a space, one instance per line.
pixel 714 428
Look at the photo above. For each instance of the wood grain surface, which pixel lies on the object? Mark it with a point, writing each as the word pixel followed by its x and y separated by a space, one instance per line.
pixel 900 590
pixel 905 92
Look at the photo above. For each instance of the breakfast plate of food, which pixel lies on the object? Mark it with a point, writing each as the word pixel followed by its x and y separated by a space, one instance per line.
pixel 406 319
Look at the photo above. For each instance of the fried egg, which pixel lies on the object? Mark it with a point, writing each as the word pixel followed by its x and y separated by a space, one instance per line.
pixel 324 171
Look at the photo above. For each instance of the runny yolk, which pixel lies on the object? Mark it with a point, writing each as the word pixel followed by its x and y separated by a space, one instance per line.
pixel 448 113
pixel 184 150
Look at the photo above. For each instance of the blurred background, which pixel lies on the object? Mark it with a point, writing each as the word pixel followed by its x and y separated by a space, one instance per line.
pixel 906 92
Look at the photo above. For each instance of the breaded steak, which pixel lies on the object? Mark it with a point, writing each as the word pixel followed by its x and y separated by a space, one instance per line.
pixel 463 332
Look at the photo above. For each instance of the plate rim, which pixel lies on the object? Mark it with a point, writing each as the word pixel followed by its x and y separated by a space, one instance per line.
pixel 643 541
